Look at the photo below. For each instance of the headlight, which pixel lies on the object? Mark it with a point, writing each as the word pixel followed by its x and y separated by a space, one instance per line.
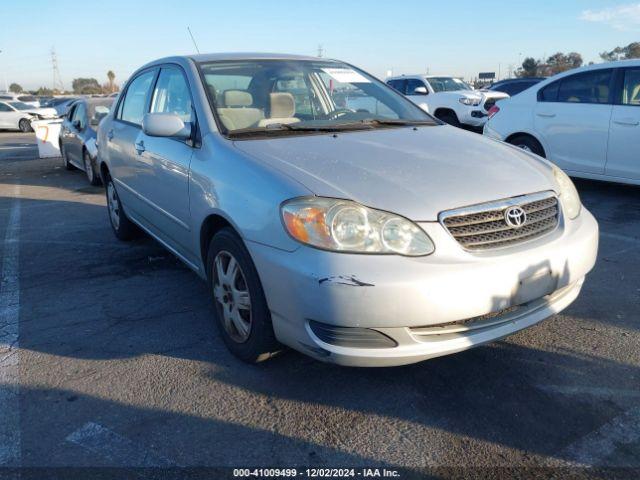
pixel 568 194
pixel 469 101
pixel 344 226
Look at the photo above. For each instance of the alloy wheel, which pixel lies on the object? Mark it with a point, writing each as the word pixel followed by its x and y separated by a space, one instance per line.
pixel 232 296
pixel 113 205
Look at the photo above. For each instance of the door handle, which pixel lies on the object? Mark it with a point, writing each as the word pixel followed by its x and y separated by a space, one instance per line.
pixel 626 121
pixel 110 135
pixel 140 147
pixel 546 115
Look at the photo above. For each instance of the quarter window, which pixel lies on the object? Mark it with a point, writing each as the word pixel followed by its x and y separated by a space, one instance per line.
pixel 5 108
pixel 135 101
pixel 631 87
pixel 589 87
pixel 172 95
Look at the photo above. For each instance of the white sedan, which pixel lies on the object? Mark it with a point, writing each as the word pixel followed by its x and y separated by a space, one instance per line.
pixel 587 121
pixel 18 115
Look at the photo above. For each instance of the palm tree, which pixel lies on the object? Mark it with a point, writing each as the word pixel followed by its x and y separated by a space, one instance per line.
pixel 111 76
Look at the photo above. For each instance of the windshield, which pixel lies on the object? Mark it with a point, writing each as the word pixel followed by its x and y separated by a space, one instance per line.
pixel 262 96
pixel 447 84
pixel 21 106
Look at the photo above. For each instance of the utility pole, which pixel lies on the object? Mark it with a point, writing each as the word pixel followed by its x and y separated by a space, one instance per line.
pixel 320 51
pixel 57 81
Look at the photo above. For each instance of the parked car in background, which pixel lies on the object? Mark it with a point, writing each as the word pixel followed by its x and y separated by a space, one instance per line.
pixel 370 236
pixel 61 104
pixel 514 86
pixel 447 98
pixel 586 121
pixel 18 116
pixel 78 135
pixel 30 100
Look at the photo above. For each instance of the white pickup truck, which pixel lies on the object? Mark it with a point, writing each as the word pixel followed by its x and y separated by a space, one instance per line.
pixel 448 98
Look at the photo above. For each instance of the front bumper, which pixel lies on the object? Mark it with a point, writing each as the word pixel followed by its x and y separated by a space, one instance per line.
pixel 404 297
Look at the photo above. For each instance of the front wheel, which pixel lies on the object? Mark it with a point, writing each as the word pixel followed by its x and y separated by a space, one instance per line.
pixel 243 317
pixel 89 170
pixel 122 227
pixel 449 117
pixel 65 159
pixel 25 126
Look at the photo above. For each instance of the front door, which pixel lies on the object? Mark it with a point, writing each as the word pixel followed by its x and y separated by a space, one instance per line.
pixel 623 158
pixel 165 181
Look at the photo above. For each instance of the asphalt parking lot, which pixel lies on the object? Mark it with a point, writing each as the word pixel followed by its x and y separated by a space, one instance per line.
pixel 109 358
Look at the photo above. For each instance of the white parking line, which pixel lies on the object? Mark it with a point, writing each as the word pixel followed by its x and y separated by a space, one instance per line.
pixel 594 448
pixel 115 448
pixel 9 348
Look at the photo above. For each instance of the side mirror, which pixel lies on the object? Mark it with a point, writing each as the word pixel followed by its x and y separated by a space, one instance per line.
pixel 77 125
pixel 166 125
pixel 420 91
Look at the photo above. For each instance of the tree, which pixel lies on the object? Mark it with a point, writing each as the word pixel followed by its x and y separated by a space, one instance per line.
pixel 529 68
pixel 622 53
pixel 560 62
pixel 86 86
pixel 44 91
pixel 15 88
pixel 111 76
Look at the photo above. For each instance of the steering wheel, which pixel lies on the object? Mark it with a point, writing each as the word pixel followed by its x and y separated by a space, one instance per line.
pixel 339 113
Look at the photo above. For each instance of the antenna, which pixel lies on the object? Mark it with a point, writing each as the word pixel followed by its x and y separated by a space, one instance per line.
pixel 57 80
pixel 193 40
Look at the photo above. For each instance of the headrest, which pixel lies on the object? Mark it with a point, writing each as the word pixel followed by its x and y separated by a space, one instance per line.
pixel 282 105
pixel 237 98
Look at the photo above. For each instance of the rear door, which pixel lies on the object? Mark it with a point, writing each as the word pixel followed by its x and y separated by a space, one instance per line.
pixel 127 165
pixel 164 181
pixel 572 117
pixel 73 142
pixel 623 157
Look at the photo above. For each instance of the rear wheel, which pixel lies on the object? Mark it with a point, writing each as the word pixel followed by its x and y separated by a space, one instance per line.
pixel 243 317
pixel 449 117
pixel 92 176
pixel 65 160
pixel 25 125
pixel 122 227
pixel 528 143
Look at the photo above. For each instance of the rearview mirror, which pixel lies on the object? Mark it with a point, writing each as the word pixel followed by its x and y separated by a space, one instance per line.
pixel 420 91
pixel 165 125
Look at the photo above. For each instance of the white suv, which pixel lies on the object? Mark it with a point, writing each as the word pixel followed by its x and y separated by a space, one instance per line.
pixel 448 98
pixel 587 121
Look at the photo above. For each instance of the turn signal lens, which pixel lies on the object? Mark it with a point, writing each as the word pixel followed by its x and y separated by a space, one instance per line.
pixel 344 226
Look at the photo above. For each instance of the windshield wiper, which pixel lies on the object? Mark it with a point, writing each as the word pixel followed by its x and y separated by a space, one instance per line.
pixel 284 128
pixel 398 122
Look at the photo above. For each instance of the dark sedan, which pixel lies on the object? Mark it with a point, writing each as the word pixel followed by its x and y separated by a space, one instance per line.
pixel 78 135
pixel 513 86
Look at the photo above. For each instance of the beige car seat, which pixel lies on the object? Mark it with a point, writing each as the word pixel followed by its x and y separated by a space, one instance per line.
pixel 238 112
pixel 282 110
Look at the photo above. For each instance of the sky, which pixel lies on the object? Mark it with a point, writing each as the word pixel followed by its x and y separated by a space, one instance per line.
pixel 460 38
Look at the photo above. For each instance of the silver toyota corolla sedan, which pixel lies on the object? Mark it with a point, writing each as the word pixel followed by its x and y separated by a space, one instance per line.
pixel 330 214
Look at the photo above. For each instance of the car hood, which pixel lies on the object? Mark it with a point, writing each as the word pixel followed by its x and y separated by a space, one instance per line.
pixel 414 173
pixel 43 111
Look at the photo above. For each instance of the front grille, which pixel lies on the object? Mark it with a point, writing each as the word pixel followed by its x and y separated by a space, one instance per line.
pixel 484 227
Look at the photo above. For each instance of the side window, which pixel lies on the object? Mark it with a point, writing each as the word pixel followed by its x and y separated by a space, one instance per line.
pixel 588 87
pixel 398 85
pixel 5 108
pixel 134 103
pixel 296 86
pixel 412 84
pixel 549 93
pixel 631 87
pixel 79 115
pixel 172 94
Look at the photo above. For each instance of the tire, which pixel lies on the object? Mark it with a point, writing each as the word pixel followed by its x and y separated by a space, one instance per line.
pixel 25 126
pixel 65 160
pixel 238 299
pixel 90 169
pixel 528 143
pixel 449 117
pixel 123 228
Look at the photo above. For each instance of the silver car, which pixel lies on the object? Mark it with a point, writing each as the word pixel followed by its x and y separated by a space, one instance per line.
pixel 331 215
